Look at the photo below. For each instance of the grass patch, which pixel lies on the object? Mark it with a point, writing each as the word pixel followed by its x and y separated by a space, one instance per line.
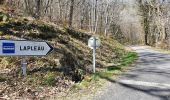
pixel 82 85
pixel 113 68
pixel 46 79
pixel 109 72
pixel 128 59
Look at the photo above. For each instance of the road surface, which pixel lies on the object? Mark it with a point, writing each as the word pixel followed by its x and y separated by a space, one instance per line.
pixel 149 80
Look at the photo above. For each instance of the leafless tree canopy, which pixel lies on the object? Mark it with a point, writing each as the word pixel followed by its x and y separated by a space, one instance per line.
pixel 143 21
pixel 92 15
pixel 156 22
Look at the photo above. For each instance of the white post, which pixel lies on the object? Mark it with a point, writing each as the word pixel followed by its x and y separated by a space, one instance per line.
pixel 24 66
pixel 94 55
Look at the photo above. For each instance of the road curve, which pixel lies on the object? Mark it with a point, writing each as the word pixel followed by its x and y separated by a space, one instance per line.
pixel 149 80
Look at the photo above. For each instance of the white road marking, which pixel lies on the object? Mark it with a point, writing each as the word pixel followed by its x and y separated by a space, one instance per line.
pixel 147 84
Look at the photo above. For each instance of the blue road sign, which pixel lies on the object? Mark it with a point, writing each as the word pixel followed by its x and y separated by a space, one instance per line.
pixel 24 48
pixel 8 48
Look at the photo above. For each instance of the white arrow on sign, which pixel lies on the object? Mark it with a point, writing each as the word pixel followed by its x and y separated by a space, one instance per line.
pixel 24 48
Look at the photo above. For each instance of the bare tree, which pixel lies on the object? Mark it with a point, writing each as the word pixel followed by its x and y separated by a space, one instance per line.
pixel 71 13
pixel 93 15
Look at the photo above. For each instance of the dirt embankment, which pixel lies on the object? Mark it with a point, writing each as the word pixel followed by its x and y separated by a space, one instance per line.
pixel 69 63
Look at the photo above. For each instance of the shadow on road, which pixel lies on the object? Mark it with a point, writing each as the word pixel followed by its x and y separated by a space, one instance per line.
pixel 162 94
pixel 151 64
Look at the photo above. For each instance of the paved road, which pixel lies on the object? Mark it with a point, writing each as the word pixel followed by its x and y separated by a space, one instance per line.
pixel 149 80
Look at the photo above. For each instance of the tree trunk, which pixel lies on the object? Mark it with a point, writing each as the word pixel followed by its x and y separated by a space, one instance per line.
pixel 71 13
pixel 38 13
pixel 106 18
pixel 2 2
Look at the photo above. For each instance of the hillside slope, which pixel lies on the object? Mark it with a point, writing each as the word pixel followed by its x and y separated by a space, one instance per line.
pixel 69 63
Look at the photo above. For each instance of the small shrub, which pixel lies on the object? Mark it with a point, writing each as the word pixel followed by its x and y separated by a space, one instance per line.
pixel 49 79
pixel 1 33
pixel 2 79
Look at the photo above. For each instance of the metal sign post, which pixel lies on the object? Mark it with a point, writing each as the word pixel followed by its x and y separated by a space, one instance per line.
pixel 24 66
pixel 94 43
pixel 94 55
